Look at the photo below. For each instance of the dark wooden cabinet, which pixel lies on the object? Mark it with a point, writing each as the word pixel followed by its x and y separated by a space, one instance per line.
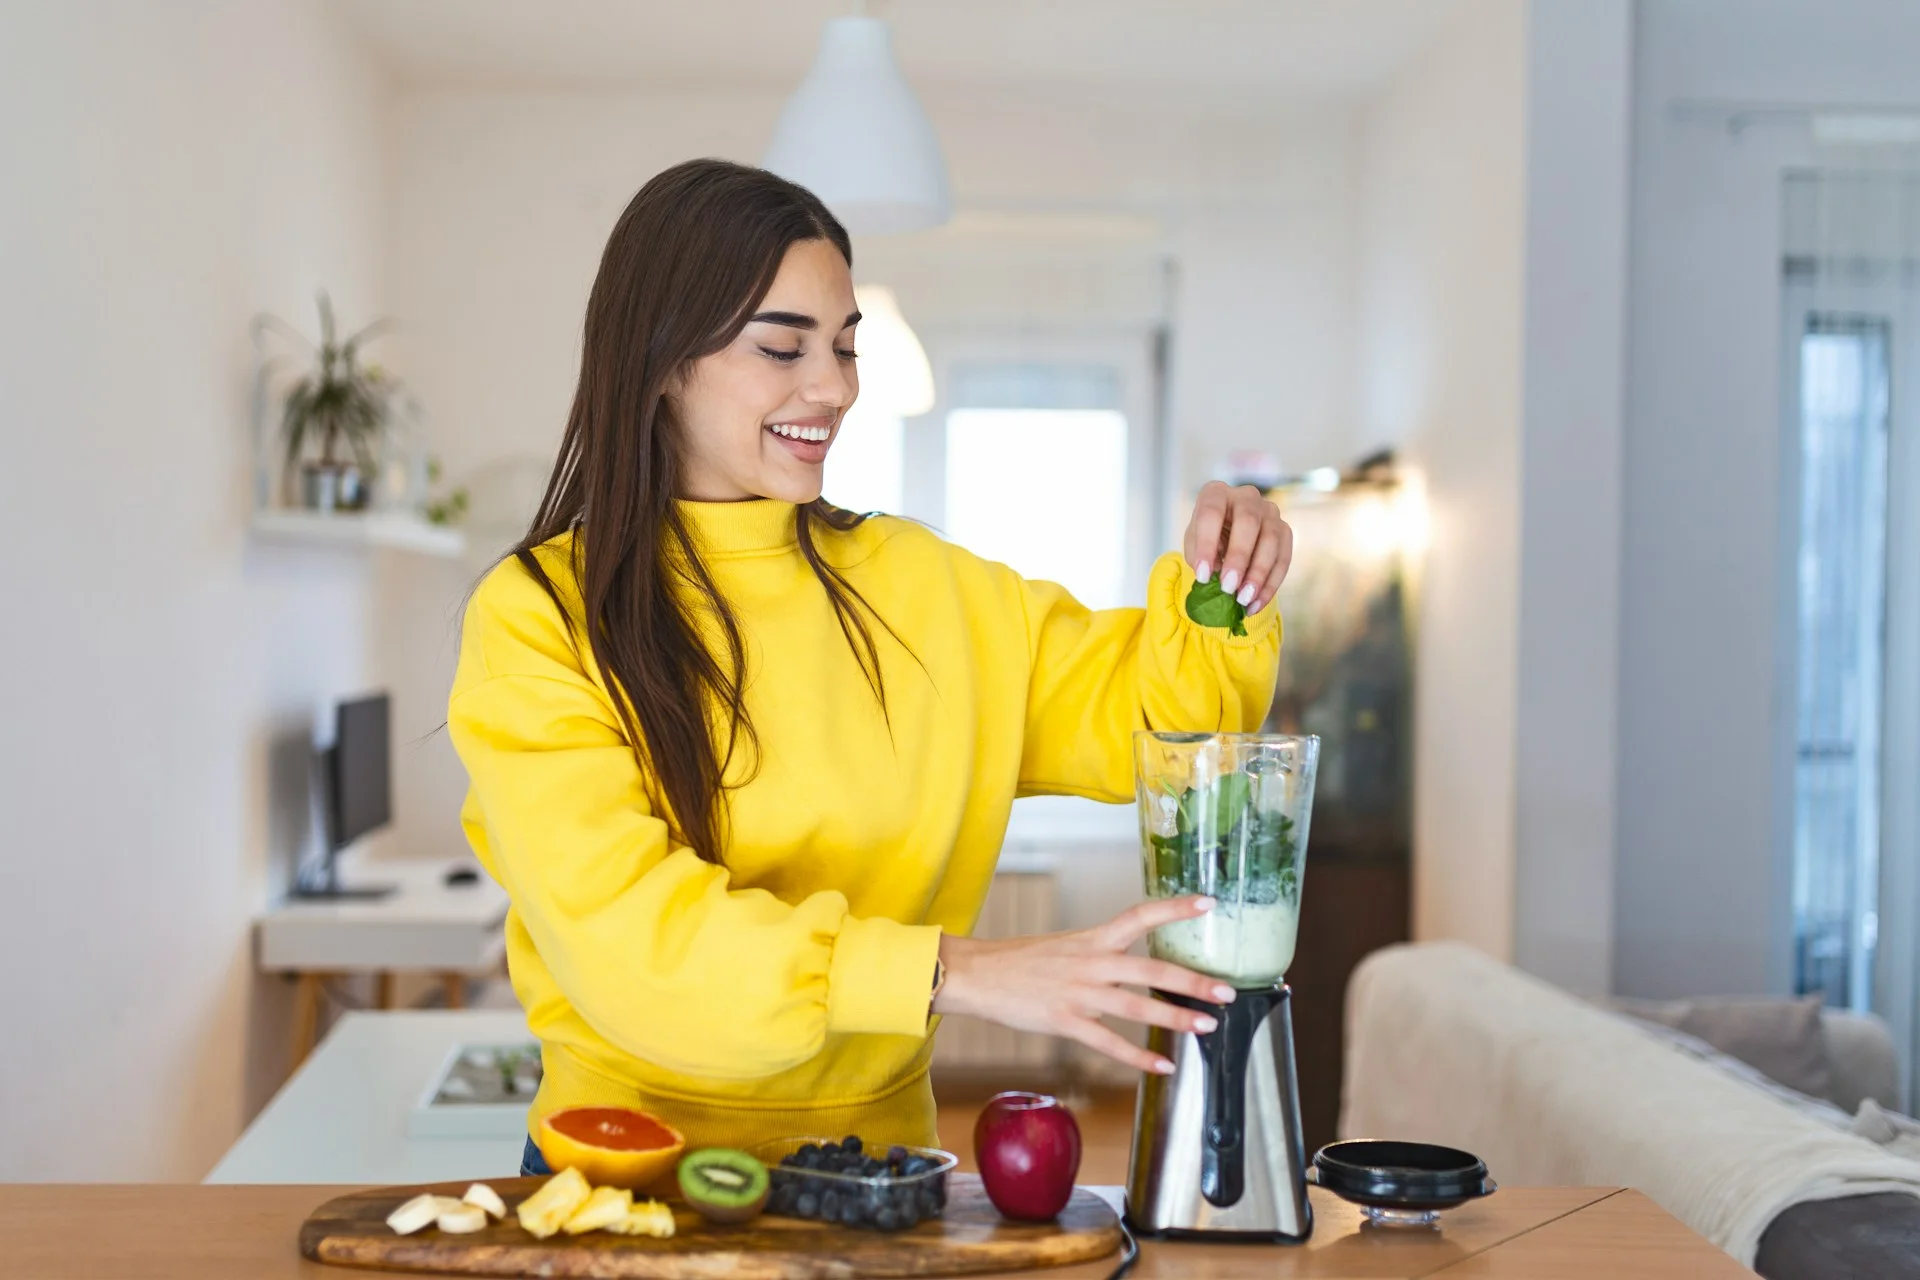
pixel 1348 910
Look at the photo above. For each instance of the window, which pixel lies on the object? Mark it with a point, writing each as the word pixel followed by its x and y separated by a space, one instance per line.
pixel 1844 404
pixel 1045 491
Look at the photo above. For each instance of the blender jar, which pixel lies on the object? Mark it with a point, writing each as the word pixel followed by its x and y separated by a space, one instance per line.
pixel 1225 815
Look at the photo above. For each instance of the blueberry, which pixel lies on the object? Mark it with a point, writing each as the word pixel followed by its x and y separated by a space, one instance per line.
pixel 930 1202
pixel 806 1204
pixel 850 1143
pixel 830 1205
pixel 909 1215
pixel 851 1213
pixel 805 1151
pixel 915 1165
pixel 887 1220
pixel 896 1156
pixel 871 1167
pixel 830 1149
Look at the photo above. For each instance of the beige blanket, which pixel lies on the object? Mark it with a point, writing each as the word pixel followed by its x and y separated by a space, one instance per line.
pixel 1446 1045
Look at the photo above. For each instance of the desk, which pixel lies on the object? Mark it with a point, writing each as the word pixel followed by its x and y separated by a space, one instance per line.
pixel 100 1232
pixel 343 1115
pixel 425 926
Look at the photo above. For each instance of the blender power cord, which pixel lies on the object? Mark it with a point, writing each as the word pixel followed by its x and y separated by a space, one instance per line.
pixel 1129 1252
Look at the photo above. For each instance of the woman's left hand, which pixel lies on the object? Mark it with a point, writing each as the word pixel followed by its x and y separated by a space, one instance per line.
pixel 1239 533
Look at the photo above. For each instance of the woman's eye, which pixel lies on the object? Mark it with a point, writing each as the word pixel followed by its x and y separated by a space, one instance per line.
pixel 847 355
pixel 784 357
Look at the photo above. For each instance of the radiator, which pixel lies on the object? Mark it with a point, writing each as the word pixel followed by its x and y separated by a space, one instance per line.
pixel 1019 903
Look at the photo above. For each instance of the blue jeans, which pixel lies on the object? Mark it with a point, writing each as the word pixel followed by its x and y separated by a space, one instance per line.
pixel 533 1164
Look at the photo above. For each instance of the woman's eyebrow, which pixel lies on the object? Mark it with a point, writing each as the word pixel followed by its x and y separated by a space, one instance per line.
pixel 795 320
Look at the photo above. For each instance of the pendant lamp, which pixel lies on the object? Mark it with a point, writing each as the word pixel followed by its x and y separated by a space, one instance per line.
pixel 854 134
pixel 894 372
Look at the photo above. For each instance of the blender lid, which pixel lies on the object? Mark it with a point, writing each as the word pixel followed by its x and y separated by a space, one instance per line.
pixel 1401 1175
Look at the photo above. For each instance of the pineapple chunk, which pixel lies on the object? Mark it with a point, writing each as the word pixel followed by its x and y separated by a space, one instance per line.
pixel 420 1212
pixel 648 1218
pixel 545 1211
pixel 486 1198
pixel 466 1218
pixel 606 1206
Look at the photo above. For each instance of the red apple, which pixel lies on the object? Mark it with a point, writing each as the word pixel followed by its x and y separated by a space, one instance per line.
pixel 1028 1149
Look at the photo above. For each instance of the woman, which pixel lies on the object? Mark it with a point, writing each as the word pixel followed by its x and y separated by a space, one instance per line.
pixel 743 761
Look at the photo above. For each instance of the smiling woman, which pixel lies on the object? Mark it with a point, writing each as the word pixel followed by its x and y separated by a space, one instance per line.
pixel 744 761
pixel 760 415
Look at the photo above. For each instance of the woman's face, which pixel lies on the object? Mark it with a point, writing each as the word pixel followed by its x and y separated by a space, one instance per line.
pixel 758 418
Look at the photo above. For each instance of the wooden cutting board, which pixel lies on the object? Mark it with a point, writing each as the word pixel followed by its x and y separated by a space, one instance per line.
pixel 972 1237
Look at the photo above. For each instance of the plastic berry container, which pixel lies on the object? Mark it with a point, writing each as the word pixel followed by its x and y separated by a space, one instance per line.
pixel 839 1181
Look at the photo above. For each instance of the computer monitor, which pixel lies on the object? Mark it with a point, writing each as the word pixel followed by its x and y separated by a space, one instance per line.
pixel 361 791
pixel 357 791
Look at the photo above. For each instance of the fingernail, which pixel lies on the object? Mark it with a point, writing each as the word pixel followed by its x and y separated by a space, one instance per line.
pixel 1204 905
pixel 1162 1067
pixel 1204 572
pixel 1246 594
pixel 1229 580
pixel 1205 1025
pixel 1223 995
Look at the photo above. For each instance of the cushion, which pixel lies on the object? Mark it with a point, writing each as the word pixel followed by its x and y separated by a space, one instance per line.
pixel 1780 1038
pixel 1818 1109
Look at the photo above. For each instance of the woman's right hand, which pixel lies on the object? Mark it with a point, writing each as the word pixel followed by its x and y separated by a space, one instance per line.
pixel 1061 983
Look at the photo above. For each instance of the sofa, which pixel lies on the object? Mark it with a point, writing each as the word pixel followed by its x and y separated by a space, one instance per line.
pixel 1447 1045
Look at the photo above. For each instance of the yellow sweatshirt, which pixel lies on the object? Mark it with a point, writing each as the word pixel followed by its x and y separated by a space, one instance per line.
pixel 786 991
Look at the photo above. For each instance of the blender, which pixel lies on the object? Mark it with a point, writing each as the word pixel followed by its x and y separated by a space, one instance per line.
pixel 1217 1148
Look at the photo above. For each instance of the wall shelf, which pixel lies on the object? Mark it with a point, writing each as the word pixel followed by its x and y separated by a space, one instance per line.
pixel 360 529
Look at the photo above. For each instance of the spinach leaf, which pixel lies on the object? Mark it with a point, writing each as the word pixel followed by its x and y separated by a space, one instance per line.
pixel 1209 606
pixel 1229 795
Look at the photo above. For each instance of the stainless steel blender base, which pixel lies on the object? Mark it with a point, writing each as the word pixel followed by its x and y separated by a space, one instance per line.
pixel 1174 1182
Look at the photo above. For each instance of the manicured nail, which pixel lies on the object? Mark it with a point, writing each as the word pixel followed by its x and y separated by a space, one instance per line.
pixel 1162 1067
pixel 1205 1025
pixel 1204 572
pixel 1223 995
pixel 1203 905
pixel 1229 580
pixel 1246 594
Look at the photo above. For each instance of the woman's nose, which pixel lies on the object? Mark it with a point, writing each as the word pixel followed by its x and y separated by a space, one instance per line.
pixel 831 384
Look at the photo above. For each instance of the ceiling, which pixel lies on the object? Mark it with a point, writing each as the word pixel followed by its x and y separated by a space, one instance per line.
pixel 1262 49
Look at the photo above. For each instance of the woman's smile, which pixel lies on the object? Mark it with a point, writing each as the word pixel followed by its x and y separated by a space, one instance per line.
pixel 807 439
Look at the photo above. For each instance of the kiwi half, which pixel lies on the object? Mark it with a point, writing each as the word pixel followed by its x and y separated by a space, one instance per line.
pixel 724 1185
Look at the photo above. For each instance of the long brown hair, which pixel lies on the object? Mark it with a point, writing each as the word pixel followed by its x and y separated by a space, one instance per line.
pixel 686 266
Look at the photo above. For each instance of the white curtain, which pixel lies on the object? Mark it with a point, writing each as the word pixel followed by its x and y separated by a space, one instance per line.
pixel 1851 347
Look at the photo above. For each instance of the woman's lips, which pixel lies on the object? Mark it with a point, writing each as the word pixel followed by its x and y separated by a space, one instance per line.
pixel 805 450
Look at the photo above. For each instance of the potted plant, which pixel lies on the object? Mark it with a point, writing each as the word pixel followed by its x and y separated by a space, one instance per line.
pixel 334 417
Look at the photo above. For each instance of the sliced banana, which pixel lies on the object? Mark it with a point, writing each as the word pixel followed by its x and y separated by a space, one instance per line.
pixel 421 1211
pixel 468 1217
pixel 606 1206
pixel 545 1211
pixel 486 1198
pixel 648 1218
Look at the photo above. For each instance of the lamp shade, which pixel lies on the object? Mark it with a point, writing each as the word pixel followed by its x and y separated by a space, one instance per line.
pixel 854 135
pixel 894 373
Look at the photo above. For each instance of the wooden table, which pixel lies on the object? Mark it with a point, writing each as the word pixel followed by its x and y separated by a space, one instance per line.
pixel 172 1232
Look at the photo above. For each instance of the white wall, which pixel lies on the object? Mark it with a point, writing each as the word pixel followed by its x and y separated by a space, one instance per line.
pixel 1579 83
pixel 1704 811
pixel 170 170
pixel 502 201
pixel 1441 232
